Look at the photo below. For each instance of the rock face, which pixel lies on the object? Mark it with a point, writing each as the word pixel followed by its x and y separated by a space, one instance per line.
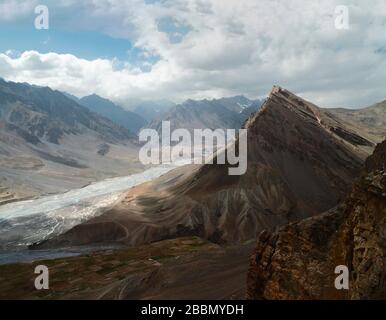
pixel 298 261
pixel 297 167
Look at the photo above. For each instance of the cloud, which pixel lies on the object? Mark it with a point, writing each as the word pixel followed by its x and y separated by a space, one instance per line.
pixel 219 47
pixel 11 10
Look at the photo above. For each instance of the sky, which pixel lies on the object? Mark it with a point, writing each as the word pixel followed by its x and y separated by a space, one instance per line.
pixel 127 50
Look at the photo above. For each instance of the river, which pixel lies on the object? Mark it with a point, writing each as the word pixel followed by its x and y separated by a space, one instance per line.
pixel 26 222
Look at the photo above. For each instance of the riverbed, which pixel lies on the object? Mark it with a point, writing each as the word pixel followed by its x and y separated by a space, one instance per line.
pixel 27 222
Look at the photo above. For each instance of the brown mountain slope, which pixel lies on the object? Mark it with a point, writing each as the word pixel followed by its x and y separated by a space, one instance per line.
pixel 369 122
pixel 299 260
pixel 301 162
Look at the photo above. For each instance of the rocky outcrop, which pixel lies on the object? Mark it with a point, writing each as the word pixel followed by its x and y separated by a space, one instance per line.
pixel 297 168
pixel 298 261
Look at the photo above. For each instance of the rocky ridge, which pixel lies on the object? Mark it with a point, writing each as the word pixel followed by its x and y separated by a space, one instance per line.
pixel 298 261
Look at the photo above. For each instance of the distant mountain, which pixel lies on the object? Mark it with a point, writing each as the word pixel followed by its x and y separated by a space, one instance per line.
pixel 117 114
pixel 50 143
pixel 38 113
pixel 71 96
pixel 238 103
pixel 151 110
pixel 225 113
pixel 370 121
pixel 301 162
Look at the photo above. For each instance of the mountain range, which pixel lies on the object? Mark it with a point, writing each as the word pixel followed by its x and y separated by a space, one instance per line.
pixel 301 162
pixel 50 143
pixel 152 109
pixel 40 113
pixel 309 195
pixel 225 113
pixel 117 114
pixel 370 121
pixel 53 141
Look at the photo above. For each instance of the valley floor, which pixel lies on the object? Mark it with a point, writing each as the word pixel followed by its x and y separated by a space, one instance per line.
pixel 183 268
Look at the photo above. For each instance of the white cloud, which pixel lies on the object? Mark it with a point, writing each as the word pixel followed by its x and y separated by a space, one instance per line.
pixel 15 9
pixel 232 47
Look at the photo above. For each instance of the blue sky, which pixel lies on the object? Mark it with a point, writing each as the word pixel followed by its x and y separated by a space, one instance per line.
pixel 180 49
pixel 83 44
pixel 65 36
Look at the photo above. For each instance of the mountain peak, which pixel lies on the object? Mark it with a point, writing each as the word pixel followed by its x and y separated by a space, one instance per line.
pixel 281 92
pixel 288 104
pixel 276 89
pixel 298 117
pixel 296 168
pixel 93 96
pixel 115 113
